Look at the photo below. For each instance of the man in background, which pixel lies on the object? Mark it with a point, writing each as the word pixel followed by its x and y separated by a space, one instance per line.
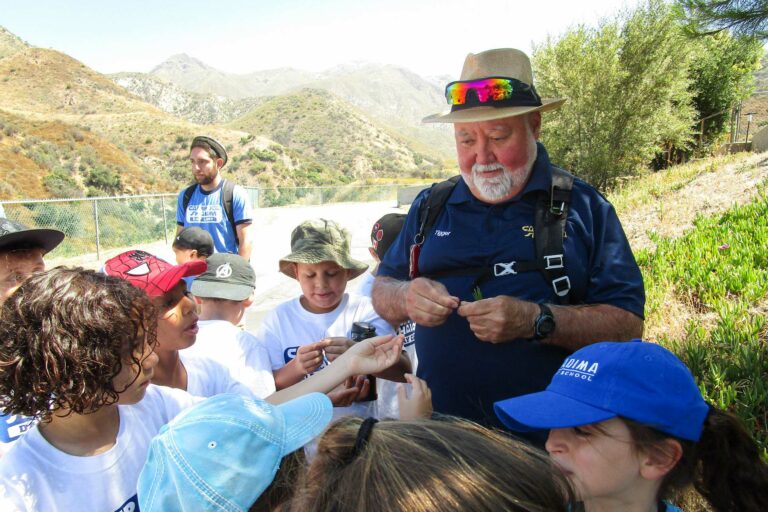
pixel 214 204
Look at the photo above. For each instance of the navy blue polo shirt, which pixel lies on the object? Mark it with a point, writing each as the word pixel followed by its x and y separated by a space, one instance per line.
pixel 466 375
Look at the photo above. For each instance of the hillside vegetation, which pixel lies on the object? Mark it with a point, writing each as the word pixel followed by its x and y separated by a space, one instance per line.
pixel 318 124
pixel 700 235
pixel 388 94
pixel 68 131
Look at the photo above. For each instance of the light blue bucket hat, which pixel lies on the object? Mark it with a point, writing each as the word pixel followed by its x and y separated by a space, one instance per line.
pixel 224 452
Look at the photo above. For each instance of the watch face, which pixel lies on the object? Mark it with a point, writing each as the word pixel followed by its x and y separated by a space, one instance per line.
pixel 545 325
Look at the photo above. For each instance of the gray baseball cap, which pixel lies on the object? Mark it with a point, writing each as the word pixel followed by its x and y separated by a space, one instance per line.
pixel 229 276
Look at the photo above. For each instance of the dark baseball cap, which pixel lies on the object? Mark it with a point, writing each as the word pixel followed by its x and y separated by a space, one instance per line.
pixel 229 276
pixel 14 235
pixel 385 231
pixel 195 238
pixel 152 274
pixel 215 146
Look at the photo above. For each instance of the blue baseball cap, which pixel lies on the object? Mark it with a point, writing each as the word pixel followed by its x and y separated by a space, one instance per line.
pixel 640 381
pixel 224 452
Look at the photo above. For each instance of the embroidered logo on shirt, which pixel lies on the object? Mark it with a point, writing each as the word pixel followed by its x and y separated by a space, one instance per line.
pixel 442 233
pixel 528 230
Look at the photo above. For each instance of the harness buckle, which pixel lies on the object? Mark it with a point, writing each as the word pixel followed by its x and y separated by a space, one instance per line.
pixel 561 285
pixel 557 209
pixel 504 269
pixel 553 261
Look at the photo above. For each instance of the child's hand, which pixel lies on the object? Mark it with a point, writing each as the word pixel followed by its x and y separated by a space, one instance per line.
pixel 351 390
pixel 372 355
pixel 337 346
pixel 310 357
pixel 419 404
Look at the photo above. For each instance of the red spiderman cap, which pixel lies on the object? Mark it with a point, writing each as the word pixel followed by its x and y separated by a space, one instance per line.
pixel 150 273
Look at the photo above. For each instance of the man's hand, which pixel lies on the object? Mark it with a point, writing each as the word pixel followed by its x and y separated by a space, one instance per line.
pixel 337 345
pixel 310 357
pixel 350 391
pixel 372 355
pixel 428 302
pixel 500 319
pixel 419 404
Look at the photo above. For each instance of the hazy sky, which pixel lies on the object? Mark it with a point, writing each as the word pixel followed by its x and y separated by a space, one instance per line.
pixel 429 37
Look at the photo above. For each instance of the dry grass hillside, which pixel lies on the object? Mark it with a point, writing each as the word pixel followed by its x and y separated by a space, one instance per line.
pixel 68 131
pixel 665 205
pixel 10 43
pixel 330 131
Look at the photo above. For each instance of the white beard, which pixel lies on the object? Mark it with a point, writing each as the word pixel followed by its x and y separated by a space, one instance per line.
pixel 498 187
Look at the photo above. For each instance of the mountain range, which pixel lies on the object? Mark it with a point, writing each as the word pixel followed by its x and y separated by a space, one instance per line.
pixel 68 131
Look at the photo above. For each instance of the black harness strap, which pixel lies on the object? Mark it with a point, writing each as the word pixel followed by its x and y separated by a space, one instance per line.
pixel 550 218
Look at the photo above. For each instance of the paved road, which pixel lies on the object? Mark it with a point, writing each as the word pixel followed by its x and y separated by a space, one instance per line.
pixel 272 241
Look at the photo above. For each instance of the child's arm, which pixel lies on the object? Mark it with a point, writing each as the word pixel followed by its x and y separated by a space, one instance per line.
pixel 397 371
pixel 369 356
pixel 308 359
pixel 419 404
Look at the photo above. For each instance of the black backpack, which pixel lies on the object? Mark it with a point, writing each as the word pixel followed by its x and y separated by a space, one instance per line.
pixel 227 193
pixel 549 229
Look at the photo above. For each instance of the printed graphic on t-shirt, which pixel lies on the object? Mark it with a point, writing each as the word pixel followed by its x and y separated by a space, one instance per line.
pixel 204 214
pixel 13 426
pixel 132 505
pixel 289 354
pixel 408 330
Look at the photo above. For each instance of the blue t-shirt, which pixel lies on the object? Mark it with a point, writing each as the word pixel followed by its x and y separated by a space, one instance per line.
pixel 467 376
pixel 206 210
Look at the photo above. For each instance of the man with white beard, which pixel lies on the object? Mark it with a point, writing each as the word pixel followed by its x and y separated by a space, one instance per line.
pixel 518 265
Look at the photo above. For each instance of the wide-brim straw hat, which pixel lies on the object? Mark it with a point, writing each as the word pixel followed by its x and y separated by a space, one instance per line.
pixel 319 240
pixel 501 62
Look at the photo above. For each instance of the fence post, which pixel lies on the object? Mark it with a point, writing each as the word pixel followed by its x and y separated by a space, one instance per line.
pixel 165 222
pixel 96 224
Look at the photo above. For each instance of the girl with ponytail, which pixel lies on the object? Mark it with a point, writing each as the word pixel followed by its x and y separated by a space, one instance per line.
pixel 630 429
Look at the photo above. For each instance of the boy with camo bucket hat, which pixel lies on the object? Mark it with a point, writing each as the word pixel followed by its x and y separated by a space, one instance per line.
pixel 305 334
pixel 315 241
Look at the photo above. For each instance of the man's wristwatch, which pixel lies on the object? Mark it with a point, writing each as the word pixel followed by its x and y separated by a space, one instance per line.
pixel 544 325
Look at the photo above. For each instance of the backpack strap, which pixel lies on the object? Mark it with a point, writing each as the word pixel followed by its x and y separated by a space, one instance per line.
pixel 549 230
pixel 187 197
pixel 429 209
pixel 550 217
pixel 227 196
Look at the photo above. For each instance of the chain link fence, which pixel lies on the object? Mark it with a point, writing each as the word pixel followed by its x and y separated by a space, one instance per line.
pixel 93 225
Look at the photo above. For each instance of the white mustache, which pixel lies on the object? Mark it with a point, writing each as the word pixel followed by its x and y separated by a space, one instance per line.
pixel 486 168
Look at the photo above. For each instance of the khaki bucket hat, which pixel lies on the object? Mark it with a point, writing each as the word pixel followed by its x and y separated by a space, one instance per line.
pixel 469 97
pixel 318 240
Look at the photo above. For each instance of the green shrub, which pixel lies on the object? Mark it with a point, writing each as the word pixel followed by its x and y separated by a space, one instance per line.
pixel 721 268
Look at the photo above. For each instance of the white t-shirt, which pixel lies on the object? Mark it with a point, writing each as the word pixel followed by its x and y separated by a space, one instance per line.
pixel 239 351
pixel 34 475
pixel 365 284
pixel 206 377
pixel 289 326
pixel 387 401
